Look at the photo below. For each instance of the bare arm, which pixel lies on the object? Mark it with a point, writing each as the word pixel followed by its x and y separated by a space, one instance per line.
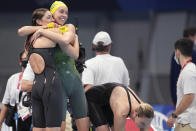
pixel 3 114
pixel 119 122
pixel 64 39
pixel 26 85
pixel 184 104
pixel 120 108
pixel 67 41
pixel 27 30
pixel 72 50
pixel 87 87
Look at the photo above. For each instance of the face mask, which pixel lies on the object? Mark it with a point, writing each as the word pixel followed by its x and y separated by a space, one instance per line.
pixel 24 64
pixel 176 59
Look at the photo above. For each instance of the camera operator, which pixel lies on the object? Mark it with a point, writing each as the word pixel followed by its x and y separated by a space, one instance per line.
pixel 11 101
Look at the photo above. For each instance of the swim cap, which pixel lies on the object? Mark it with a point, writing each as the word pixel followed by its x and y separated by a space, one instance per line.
pixel 56 5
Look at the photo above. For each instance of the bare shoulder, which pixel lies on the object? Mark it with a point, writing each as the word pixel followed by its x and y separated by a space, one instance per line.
pixel 70 26
pixel 119 94
pixel 119 101
pixel 119 91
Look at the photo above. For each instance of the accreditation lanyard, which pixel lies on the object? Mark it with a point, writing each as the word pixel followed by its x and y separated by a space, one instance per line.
pixel 188 61
pixel 20 77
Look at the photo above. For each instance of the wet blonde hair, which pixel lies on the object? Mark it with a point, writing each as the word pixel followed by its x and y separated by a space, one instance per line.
pixel 145 110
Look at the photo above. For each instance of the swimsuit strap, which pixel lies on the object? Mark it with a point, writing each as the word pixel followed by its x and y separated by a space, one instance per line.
pixel 134 96
pixel 129 100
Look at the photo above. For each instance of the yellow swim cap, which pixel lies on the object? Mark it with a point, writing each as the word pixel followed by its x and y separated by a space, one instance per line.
pixel 56 5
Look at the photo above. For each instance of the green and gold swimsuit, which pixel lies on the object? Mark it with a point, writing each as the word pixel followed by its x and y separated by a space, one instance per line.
pixel 71 83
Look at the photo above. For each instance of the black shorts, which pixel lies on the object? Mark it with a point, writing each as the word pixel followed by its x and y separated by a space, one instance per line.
pixel 100 112
pixel 47 100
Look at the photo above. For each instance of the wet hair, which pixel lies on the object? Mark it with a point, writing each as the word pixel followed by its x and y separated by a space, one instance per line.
pixel 185 46
pixel 100 47
pixel 145 110
pixel 189 32
pixel 36 15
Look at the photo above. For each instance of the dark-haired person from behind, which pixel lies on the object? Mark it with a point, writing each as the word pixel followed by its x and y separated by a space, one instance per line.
pixel 104 67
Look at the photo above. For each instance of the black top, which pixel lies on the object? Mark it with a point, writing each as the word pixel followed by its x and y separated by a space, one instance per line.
pixel 108 87
pixel 47 54
pixel 101 94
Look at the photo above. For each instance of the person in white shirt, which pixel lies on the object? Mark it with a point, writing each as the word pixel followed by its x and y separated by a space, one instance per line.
pixel 185 112
pixel 11 98
pixel 104 67
pixel 27 79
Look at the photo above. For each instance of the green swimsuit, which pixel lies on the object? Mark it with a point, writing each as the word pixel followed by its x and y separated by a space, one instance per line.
pixel 71 84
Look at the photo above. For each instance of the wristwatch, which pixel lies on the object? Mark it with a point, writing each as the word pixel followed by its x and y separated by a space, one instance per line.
pixel 174 115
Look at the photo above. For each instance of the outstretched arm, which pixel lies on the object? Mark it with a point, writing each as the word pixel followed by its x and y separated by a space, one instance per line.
pixel 119 122
pixel 120 108
pixel 27 30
